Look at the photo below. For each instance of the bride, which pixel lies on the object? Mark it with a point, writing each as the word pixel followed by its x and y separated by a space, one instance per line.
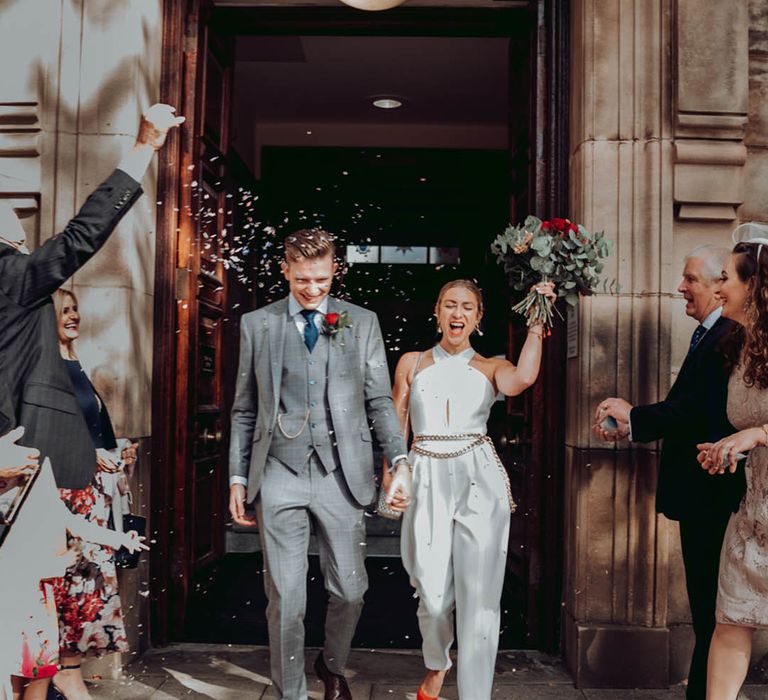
pixel 454 534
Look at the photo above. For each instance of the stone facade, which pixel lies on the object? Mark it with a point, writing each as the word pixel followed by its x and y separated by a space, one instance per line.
pixel 667 150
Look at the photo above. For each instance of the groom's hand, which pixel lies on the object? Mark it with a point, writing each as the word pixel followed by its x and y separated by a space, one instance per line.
pixel 237 506
pixel 398 486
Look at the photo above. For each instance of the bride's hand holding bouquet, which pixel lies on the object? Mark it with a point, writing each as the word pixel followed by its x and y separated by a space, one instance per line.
pixel 543 252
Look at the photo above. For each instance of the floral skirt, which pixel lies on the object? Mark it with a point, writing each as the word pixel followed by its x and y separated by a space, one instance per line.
pixel 40 639
pixel 90 613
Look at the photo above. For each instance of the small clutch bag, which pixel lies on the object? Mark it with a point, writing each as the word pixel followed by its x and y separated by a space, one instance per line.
pixel 384 510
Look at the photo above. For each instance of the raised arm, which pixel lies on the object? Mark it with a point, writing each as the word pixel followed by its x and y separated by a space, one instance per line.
pixel 27 279
pixel 512 380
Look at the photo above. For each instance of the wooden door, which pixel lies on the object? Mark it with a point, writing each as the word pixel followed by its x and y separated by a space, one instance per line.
pixel 189 488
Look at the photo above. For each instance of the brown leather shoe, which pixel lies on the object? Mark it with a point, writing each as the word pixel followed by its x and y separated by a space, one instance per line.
pixel 336 687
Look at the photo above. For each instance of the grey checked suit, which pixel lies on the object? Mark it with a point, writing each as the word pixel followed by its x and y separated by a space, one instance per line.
pixel 313 465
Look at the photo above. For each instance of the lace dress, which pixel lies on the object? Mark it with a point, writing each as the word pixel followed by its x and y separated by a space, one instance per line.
pixel 742 595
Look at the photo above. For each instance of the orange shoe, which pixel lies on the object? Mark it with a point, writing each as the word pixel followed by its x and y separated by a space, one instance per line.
pixel 421 695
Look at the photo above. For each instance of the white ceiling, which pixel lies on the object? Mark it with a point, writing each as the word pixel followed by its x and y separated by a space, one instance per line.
pixel 441 80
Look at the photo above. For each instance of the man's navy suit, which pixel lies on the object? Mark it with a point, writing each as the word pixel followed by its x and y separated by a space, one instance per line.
pixel 693 412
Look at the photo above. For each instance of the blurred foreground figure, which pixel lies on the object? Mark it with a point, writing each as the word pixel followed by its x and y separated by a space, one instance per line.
pixel 38 392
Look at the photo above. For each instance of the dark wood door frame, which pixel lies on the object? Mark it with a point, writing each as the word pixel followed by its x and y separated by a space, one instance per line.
pixel 546 23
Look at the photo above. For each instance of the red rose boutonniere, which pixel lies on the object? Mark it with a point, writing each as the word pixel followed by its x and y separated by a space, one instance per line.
pixel 334 323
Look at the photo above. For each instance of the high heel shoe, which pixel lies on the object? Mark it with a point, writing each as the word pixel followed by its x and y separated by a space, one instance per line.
pixel 421 695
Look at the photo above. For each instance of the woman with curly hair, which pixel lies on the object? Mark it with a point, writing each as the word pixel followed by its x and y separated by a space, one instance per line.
pixel 742 596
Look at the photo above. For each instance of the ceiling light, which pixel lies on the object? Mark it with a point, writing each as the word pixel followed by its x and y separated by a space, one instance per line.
pixel 373 5
pixel 387 103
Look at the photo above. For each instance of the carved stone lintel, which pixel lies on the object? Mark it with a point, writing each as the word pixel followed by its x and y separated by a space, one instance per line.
pixel 708 180
pixel 19 129
pixel 720 126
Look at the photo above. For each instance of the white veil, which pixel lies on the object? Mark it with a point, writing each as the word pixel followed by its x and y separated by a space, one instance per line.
pixel 751 232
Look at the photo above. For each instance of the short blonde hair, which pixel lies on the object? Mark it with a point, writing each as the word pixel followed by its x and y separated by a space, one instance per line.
pixel 308 243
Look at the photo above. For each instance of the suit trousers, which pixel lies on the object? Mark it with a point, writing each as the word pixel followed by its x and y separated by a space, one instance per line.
pixel 701 539
pixel 286 505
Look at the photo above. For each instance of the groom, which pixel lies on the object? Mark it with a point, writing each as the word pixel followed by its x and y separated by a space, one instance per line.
pixel 312 384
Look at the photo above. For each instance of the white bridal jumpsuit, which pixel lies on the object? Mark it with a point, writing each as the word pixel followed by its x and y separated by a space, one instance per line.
pixel 454 534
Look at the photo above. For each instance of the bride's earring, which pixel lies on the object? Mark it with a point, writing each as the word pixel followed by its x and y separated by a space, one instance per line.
pixel 477 329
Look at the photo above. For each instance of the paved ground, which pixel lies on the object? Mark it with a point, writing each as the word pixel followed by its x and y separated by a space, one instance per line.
pixel 229 672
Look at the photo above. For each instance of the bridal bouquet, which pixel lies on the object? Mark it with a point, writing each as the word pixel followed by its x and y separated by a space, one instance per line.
pixel 556 251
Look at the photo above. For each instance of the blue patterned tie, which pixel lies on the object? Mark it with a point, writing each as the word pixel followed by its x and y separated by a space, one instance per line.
pixel 696 337
pixel 310 330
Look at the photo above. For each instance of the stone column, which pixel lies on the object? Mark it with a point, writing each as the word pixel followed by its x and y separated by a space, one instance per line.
pixel 657 100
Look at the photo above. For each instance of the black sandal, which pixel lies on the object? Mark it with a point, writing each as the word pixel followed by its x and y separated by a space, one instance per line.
pixel 53 692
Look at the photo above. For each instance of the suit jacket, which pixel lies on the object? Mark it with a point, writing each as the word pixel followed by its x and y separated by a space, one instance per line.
pixel 359 395
pixel 693 412
pixel 38 393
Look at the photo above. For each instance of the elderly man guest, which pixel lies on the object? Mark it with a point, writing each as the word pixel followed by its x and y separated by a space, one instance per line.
pixel 694 411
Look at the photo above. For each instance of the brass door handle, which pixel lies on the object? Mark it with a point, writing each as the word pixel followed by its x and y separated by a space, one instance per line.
pixel 505 442
pixel 217 436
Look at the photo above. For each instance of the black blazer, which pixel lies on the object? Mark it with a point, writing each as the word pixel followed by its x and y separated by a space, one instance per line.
pixel 37 392
pixel 693 412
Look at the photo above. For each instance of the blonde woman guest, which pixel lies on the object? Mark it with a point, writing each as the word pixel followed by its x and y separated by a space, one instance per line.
pixel 742 596
pixel 90 612
pixel 454 534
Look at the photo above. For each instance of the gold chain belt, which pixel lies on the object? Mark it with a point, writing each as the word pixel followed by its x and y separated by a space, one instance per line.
pixel 477 440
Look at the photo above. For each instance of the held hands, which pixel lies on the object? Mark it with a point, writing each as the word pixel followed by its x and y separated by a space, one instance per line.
pixel 237 506
pixel 16 460
pixel 398 486
pixel 716 457
pixel 612 420
pixel 156 122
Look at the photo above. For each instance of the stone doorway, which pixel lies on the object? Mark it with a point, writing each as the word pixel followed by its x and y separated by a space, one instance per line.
pixel 535 182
